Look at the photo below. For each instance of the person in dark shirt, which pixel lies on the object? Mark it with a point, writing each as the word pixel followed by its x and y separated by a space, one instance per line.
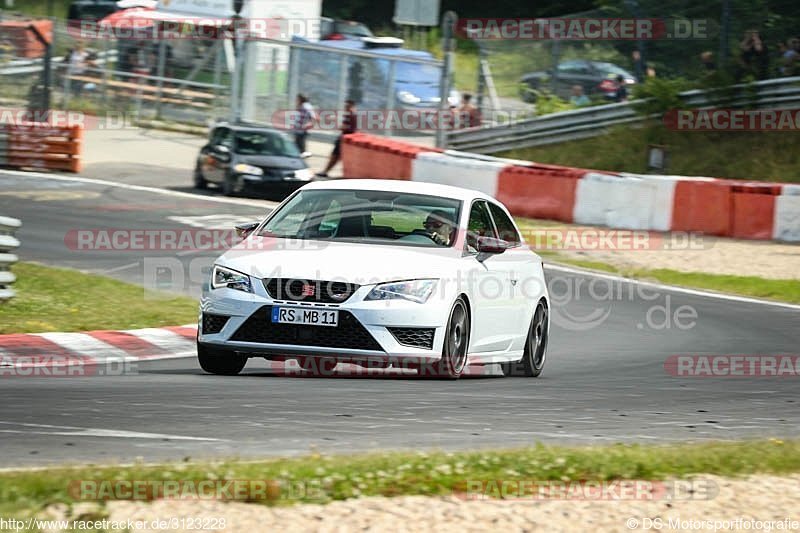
pixel 755 56
pixel 348 126
pixel 622 90
pixel 707 61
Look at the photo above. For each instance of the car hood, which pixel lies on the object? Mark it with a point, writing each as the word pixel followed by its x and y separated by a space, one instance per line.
pixel 426 92
pixel 272 161
pixel 363 264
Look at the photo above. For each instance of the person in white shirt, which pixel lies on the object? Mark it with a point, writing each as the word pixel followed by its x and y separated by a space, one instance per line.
pixel 304 119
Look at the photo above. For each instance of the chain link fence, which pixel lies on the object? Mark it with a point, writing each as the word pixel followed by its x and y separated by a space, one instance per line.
pixel 99 73
pixel 573 60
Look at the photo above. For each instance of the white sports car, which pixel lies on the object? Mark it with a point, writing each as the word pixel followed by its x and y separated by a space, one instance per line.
pixel 378 273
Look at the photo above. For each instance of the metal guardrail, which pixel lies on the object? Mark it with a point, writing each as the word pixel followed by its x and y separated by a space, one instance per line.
pixel 593 121
pixel 34 66
pixel 8 243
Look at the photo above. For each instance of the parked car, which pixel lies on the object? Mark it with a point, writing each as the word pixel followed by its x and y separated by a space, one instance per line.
pixel 598 78
pixel 239 157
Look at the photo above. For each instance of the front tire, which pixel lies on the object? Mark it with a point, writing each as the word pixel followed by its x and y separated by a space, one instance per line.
pixel 220 362
pixel 532 362
pixel 456 343
pixel 199 181
pixel 228 185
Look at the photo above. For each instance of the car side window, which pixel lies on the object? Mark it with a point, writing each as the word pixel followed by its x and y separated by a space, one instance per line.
pixel 479 225
pixel 227 138
pixel 505 227
pixel 216 138
pixel 573 67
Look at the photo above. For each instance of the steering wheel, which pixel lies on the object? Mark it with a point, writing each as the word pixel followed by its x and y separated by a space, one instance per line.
pixel 427 234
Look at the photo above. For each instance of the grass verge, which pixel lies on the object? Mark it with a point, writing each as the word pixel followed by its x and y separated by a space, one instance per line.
pixel 55 299
pixel 318 478
pixel 781 290
pixel 758 156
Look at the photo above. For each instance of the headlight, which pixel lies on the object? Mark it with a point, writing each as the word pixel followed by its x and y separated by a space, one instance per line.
pixel 243 168
pixel 415 290
pixel 407 98
pixel 222 277
pixel 303 174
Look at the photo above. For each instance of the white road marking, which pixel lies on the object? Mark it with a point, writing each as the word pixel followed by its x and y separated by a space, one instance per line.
pixel 221 221
pixel 141 188
pixel 46 429
pixel 671 288
pixel 119 268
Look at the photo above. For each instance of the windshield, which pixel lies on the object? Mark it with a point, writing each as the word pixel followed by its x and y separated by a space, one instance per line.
pixel 265 143
pixel 610 68
pixel 351 28
pixel 379 217
pixel 417 73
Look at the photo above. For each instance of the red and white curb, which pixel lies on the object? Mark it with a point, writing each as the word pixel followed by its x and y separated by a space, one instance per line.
pixel 22 354
pixel 97 347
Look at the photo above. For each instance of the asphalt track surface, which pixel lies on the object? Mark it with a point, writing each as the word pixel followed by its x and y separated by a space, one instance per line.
pixel 604 382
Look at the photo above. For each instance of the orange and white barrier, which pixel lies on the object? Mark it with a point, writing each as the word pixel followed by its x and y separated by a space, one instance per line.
pixel 787 214
pixel 41 146
pixel 729 208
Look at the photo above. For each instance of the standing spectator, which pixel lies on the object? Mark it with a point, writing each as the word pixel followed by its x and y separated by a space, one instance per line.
pixel 622 90
pixel 348 126
pixel 76 60
pixel 755 56
pixel 468 114
pixel 789 57
pixel 707 59
pixel 303 121
pixel 638 65
pixel 578 99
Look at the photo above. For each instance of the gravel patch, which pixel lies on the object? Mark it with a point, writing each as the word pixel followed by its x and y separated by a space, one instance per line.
pixel 758 498
pixel 712 255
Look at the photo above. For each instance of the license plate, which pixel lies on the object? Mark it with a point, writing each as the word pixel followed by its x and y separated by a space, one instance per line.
pixel 310 317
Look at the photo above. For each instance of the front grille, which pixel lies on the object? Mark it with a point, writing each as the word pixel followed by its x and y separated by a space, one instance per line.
pixel 303 290
pixel 416 337
pixel 213 323
pixel 348 334
pixel 277 173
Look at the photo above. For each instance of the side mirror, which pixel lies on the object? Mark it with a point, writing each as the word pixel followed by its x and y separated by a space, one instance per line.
pixel 488 246
pixel 243 230
pixel 222 152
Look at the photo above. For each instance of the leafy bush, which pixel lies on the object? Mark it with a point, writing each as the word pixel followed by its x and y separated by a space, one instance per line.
pixel 659 95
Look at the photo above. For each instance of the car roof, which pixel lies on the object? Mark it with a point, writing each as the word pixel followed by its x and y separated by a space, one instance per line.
pixel 399 53
pixel 411 187
pixel 246 127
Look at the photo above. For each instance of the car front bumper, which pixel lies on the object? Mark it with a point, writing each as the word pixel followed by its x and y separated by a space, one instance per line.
pixel 248 330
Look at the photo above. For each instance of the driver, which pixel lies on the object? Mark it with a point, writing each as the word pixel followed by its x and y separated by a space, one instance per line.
pixel 439 226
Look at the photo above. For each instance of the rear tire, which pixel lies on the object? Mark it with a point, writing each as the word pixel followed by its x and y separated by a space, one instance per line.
pixel 532 362
pixel 220 362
